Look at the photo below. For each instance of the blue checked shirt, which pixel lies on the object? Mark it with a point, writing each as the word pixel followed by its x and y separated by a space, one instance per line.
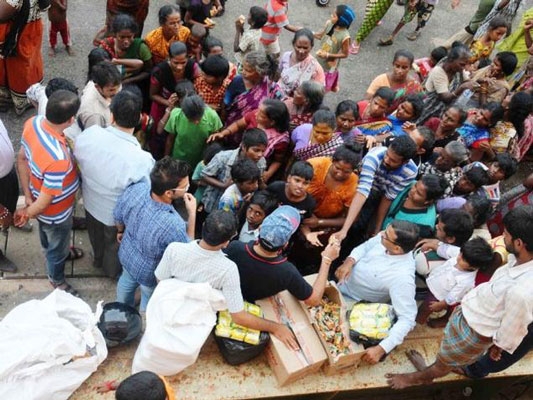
pixel 150 227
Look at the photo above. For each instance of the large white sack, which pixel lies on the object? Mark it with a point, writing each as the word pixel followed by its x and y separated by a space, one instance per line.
pixel 49 347
pixel 179 318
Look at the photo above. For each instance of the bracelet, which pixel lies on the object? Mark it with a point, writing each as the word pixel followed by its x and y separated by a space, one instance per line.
pixel 327 258
pixel 4 214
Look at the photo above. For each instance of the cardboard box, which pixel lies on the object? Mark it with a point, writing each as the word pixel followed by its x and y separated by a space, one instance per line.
pixel 345 361
pixel 289 365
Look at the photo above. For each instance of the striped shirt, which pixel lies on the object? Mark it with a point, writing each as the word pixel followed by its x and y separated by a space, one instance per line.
pixel 52 169
pixel 374 175
pixel 276 20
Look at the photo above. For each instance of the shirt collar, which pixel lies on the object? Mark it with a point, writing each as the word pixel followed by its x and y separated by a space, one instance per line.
pixel 516 270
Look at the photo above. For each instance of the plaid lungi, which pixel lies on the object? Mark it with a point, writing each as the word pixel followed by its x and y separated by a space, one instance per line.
pixel 461 345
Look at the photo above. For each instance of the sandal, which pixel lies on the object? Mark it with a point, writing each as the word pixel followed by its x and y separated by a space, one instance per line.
pixel 64 286
pixel 385 42
pixel 413 36
pixel 354 48
pixel 74 253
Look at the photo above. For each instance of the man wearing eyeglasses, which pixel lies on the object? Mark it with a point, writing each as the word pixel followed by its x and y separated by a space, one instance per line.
pixel 382 270
pixel 110 159
pixel 147 223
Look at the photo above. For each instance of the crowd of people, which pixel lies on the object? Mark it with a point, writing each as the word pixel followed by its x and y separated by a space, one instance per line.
pixel 197 165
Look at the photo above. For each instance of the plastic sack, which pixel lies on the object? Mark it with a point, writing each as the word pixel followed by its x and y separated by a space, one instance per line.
pixel 179 318
pixel 236 352
pixel 49 347
pixel 370 323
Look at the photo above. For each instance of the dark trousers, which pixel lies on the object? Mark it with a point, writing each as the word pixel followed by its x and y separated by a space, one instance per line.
pixel 485 365
pixel 105 246
pixel 9 190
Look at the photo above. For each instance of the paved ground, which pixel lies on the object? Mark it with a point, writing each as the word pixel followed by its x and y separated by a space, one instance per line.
pixel 86 17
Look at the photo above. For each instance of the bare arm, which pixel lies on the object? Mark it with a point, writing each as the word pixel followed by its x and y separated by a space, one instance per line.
pixel 22 215
pixel 239 29
pixel 353 212
pixel 381 212
pixel 6 12
pixel 330 253
pixel 216 183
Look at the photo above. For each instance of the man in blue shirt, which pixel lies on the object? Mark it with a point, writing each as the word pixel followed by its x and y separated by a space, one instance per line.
pixel 147 223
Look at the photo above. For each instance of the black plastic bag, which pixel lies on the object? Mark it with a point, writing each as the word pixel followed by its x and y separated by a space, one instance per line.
pixel 236 352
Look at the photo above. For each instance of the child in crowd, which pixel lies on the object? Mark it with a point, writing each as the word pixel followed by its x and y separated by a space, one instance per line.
pixel 474 133
pixel 245 175
pixel 472 179
pixel 373 114
pixel 262 204
pixel 57 14
pixel 423 66
pixel 210 151
pixel 422 9
pixel 482 47
pixel 188 128
pixel 213 46
pixel 143 385
pixel 276 20
pixel 217 174
pixel 502 168
pixel 334 44
pixel 248 40
pixel 194 42
pixel 38 94
pixel 212 83
pixel 449 282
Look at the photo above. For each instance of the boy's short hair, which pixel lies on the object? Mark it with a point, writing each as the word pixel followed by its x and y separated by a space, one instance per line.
pixel 254 137
pixel 479 207
pixel 435 186
pixel 438 53
pixel 259 17
pixel 216 66
pixel 508 60
pixel 219 227
pixel 477 253
pixel 184 88
pixel 198 31
pixel 478 176
pixel 211 150
pixel 193 107
pixel 407 234
pixel 104 73
pixel 386 93
pixel 507 164
pixel 266 200
pixel 59 84
pixel 302 169
pixel 429 138
pixel 143 385
pixel 458 224
pixel 245 170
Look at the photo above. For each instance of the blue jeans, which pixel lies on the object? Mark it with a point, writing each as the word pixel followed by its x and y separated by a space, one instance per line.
pixel 55 240
pixel 486 365
pixel 126 287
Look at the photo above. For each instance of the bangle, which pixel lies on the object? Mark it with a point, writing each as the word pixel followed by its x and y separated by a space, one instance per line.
pixel 320 222
pixel 327 258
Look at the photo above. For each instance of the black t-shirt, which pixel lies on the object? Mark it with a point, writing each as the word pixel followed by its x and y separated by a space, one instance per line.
pixel 306 206
pixel 265 277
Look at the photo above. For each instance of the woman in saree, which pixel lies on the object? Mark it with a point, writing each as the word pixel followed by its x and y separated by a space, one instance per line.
pixel 21 33
pixel 443 84
pixel 247 90
pixel 170 30
pixel 307 99
pixel 398 79
pixel 298 65
pixel 317 139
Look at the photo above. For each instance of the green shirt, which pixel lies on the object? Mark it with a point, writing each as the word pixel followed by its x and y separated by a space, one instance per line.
pixel 191 138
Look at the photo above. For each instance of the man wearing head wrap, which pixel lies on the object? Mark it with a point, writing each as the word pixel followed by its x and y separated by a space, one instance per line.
pixel 264 270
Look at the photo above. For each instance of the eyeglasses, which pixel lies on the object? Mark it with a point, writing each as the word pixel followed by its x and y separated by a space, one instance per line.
pixel 386 237
pixel 185 189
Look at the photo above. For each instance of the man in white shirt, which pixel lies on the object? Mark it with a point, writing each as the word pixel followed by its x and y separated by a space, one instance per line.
pixel 381 270
pixel 494 316
pixel 110 159
pixel 203 261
